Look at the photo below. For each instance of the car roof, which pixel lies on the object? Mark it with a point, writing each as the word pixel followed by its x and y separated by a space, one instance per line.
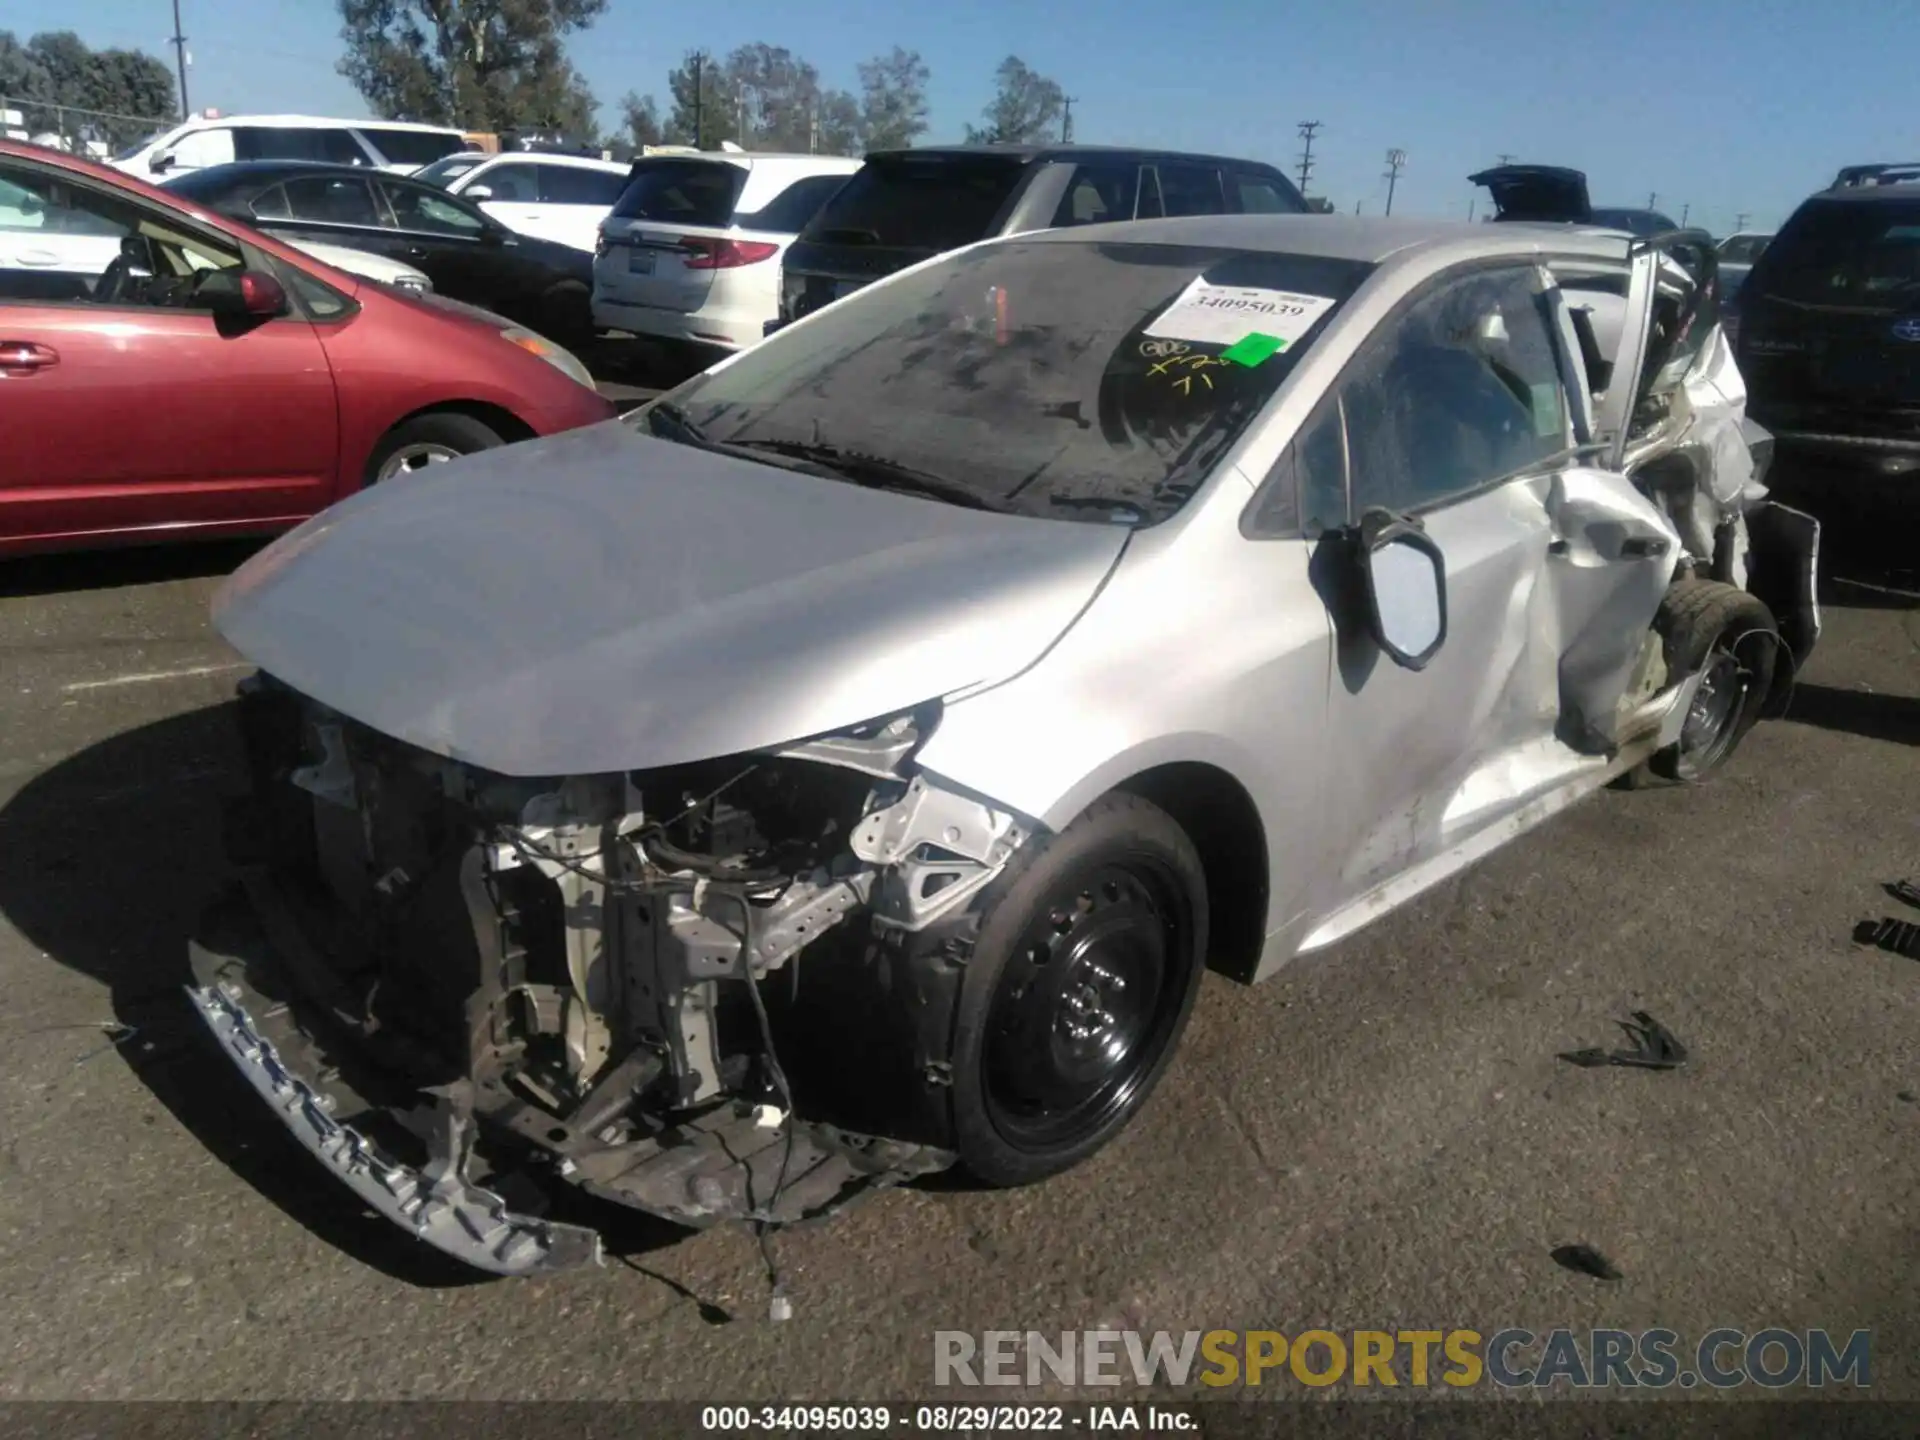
pixel 747 159
pixel 1371 240
pixel 1028 154
pixel 315 122
pixel 579 162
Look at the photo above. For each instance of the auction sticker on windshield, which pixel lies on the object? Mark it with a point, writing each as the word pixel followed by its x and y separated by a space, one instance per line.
pixel 1223 314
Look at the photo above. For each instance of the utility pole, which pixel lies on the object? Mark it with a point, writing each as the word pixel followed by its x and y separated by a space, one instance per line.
pixel 1505 159
pixel 1308 128
pixel 699 98
pixel 1684 209
pixel 813 128
pixel 1653 200
pixel 1740 221
pixel 1066 120
pixel 179 43
pixel 1470 206
pixel 1396 162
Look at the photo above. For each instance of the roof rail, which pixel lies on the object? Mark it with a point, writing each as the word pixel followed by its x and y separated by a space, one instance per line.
pixel 1853 176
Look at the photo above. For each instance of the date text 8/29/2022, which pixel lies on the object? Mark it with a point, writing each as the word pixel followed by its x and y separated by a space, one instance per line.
pixel 941 1419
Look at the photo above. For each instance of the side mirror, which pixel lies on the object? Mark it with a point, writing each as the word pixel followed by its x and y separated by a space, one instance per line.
pixel 245 297
pixel 1406 586
pixel 161 163
pixel 477 193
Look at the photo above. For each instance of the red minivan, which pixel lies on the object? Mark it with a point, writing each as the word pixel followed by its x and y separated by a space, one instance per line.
pixel 165 373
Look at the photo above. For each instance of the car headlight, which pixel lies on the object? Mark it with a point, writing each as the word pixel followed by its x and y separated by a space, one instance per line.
pixel 563 360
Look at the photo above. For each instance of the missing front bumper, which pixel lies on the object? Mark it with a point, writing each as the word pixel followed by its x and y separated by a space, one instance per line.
pixel 434 1202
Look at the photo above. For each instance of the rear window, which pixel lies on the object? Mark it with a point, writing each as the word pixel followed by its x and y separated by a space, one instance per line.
pixel 789 211
pixel 681 192
pixel 413 147
pixel 445 172
pixel 1844 253
pixel 295 142
pixel 920 203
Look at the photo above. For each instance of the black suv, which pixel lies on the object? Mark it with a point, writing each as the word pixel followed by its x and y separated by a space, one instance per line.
pixel 1829 340
pixel 904 206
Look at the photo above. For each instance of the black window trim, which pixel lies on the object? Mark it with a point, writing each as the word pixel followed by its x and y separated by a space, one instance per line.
pixel 1285 472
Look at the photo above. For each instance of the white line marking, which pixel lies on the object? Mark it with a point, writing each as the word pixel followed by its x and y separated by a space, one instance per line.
pixel 156 675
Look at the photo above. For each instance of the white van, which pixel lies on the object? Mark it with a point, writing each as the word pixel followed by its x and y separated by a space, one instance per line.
pixel 395 145
pixel 691 251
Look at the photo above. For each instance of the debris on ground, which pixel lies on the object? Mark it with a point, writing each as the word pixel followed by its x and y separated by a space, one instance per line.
pixel 1654 1048
pixel 1896 937
pixel 1585 1260
pixel 1905 891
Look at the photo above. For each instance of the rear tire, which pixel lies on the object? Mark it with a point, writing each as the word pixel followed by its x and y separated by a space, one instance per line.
pixel 427 440
pixel 1089 955
pixel 1719 628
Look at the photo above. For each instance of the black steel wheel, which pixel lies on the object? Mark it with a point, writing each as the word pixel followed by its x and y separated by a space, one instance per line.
pixel 1089 956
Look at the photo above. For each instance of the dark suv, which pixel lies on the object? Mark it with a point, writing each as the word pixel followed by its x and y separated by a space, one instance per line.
pixel 904 206
pixel 1829 340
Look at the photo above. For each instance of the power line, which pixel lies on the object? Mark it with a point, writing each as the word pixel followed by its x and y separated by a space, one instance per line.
pixel 1396 162
pixel 1308 128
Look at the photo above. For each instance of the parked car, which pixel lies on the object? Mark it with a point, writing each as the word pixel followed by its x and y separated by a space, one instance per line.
pixel 554 197
pixel 197 144
pixel 909 205
pixel 1536 193
pixel 1830 331
pixel 207 379
pixel 1010 641
pixel 691 250
pixel 469 255
pixel 72 243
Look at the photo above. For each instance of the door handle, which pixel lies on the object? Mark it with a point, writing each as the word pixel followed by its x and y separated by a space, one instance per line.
pixel 16 355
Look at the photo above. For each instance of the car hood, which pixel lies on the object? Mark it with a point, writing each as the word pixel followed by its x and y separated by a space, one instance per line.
pixel 1536 193
pixel 605 601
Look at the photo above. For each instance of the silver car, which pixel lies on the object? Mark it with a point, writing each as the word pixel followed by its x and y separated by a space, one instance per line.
pixel 845 766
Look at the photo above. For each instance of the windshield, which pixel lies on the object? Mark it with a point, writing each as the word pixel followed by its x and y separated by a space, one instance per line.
pixel 1864 253
pixel 1058 378
pixel 445 172
pixel 1743 249
pixel 1637 222
pixel 919 203
pixel 139 145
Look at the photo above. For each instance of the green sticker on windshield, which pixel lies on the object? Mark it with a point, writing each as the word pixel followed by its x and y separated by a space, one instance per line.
pixel 1252 349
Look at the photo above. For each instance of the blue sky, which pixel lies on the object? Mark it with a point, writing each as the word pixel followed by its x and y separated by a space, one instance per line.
pixel 1720 106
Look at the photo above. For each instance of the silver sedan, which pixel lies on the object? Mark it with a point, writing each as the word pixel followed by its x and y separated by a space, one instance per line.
pixel 846 766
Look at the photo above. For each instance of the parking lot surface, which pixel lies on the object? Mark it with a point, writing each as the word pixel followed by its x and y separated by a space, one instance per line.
pixel 1381 1138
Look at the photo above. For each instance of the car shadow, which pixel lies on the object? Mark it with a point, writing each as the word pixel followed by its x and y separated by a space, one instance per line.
pixel 106 860
pixel 112 568
pixel 1867 713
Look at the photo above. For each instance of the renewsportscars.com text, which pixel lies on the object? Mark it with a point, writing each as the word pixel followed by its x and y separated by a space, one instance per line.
pixel 1511 1358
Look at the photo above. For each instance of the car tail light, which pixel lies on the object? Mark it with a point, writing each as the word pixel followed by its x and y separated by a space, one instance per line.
pixel 705 254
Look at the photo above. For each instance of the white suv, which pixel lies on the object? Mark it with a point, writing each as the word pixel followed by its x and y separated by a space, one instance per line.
pixel 554 197
pixel 691 251
pixel 395 145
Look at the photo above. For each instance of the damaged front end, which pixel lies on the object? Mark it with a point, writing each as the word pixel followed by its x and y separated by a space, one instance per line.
pixel 453 985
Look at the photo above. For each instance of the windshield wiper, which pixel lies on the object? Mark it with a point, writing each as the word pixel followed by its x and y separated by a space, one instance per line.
pixel 1122 512
pixel 873 471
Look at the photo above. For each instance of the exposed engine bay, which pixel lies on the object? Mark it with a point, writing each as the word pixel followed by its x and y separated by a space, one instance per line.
pixel 593 976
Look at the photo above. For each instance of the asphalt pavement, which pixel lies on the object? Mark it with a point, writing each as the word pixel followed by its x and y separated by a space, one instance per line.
pixel 1382 1138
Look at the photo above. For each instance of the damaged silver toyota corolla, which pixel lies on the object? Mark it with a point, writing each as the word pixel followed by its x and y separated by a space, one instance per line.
pixel 845 766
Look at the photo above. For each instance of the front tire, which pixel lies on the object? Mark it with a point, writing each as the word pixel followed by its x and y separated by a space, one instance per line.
pixel 427 440
pixel 1731 636
pixel 1088 958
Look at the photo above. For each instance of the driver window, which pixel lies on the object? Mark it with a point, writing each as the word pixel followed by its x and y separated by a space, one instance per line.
pixel 1458 391
pixel 61 242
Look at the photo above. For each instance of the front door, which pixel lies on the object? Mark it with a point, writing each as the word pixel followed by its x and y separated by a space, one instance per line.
pixel 1455 414
pixel 134 410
